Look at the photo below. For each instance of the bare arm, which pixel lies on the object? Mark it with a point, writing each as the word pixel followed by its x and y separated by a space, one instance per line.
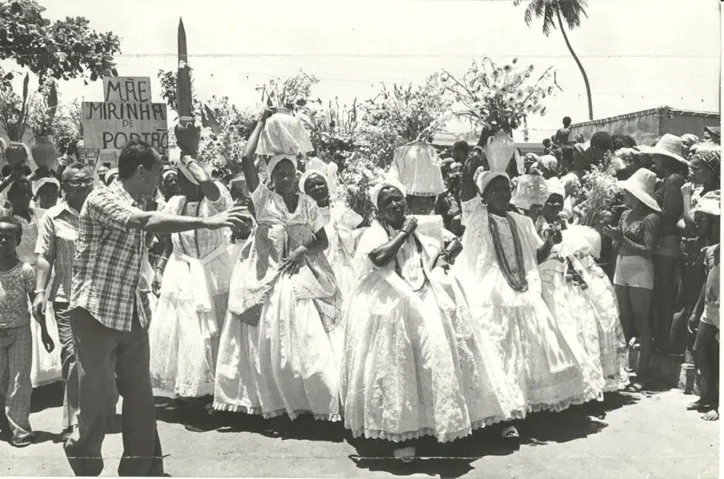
pixel 468 190
pixel 247 160
pixel 386 253
pixel 544 251
pixel 206 183
pixel 43 266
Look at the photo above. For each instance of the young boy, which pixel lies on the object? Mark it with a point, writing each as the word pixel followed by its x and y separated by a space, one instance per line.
pixel 17 284
pixel 705 317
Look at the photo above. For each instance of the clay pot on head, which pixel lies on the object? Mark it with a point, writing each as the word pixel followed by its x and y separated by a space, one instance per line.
pixel 44 152
pixel 16 154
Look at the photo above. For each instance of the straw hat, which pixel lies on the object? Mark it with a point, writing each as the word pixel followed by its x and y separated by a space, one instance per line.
pixel 669 145
pixel 642 185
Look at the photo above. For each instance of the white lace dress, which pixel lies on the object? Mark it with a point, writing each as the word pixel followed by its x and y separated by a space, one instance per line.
pixel 341 222
pixel 412 364
pixel 189 315
pixel 539 364
pixel 276 356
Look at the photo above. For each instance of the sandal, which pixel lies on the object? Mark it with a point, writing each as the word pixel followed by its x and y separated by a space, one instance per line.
pixel 405 454
pixel 510 432
pixel 24 441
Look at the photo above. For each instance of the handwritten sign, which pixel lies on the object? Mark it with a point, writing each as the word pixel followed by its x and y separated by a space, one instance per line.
pixel 110 125
pixel 127 89
pixel 126 114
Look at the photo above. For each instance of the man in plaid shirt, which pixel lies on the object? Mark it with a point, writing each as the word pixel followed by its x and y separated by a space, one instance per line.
pixel 109 309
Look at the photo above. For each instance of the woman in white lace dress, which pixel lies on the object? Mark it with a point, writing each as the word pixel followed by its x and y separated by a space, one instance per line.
pixel 341 223
pixel 193 274
pixel 581 297
pixel 499 268
pixel 412 364
pixel 276 355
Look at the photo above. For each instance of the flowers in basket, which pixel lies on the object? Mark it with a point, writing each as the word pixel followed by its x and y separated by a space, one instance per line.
pixel 597 197
pixel 500 98
pixel 284 132
pixel 359 176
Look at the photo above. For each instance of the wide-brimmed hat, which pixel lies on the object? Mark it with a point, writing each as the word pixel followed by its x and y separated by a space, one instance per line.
pixel 642 185
pixel 669 145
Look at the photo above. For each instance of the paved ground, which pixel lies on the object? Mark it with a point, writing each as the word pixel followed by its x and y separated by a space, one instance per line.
pixel 633 436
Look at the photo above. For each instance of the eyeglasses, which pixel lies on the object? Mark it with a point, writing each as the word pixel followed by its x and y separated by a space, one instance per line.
pixel 81 183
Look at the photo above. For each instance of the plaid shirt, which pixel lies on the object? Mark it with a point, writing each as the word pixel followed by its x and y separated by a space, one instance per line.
pixel 57 234
pixel 107 273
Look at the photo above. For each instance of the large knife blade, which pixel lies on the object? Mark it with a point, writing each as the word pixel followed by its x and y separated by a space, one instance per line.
pixel 183 78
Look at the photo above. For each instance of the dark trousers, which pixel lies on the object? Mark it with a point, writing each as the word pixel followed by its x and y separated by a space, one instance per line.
pixel 706 356
pixel 666 282
pixel 106 357
pixel 67 358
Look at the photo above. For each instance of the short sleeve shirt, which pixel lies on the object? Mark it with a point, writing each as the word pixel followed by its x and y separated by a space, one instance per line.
pixel 15 286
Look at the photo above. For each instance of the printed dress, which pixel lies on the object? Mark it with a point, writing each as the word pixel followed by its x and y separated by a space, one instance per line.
pixel 47 368
pixel 189 315
pixel 276 356
pixel 413 365
pixel 539 364
pixel 586 309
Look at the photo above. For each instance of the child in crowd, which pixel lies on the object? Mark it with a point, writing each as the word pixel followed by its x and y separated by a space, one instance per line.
pixel 17 284
pixel 705 317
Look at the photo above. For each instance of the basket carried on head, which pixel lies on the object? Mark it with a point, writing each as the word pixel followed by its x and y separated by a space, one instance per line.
pixel 284 133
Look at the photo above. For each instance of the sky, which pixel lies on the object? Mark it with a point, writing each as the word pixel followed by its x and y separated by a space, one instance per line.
pixel 639 54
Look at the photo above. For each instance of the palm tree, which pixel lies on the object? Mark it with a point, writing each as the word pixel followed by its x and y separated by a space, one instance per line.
pixel 569 11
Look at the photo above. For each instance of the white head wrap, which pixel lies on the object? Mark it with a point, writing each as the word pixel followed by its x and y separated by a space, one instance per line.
pixel 44 181
pixel 274 161
pixel 375 192
pixel 483 178
pixel 555 187
pixel 309 173
pixel 167 173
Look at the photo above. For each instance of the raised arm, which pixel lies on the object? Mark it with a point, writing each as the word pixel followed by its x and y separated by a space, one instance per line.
pixel 247 160
pixel 384 254
pixel 468 190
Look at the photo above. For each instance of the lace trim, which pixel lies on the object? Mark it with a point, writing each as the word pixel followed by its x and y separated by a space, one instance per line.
pixel 200 390
pixel 427 431
pixel 257 411
pixel 589 395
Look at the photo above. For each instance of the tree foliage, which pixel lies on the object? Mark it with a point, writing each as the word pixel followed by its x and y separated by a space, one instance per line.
pixel 554 14
pixel 224 141
pixel 51 51
pixel 399 115
pixel 294 92
pixel 63 49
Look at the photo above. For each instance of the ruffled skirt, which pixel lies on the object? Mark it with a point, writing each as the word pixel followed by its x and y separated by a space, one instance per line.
pixel 183 345
pixel 284 365
pixel 412 365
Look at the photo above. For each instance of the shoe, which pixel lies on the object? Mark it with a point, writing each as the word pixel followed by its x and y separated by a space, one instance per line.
pixel 23 441
pixel 405 454
pixel 67 432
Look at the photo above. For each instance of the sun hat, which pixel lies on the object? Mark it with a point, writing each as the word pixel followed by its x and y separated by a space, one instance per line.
pixel 710 203
pixel 669 145
pixel 642 185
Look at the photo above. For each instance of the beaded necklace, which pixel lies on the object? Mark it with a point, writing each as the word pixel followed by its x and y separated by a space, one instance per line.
pixel 514 276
